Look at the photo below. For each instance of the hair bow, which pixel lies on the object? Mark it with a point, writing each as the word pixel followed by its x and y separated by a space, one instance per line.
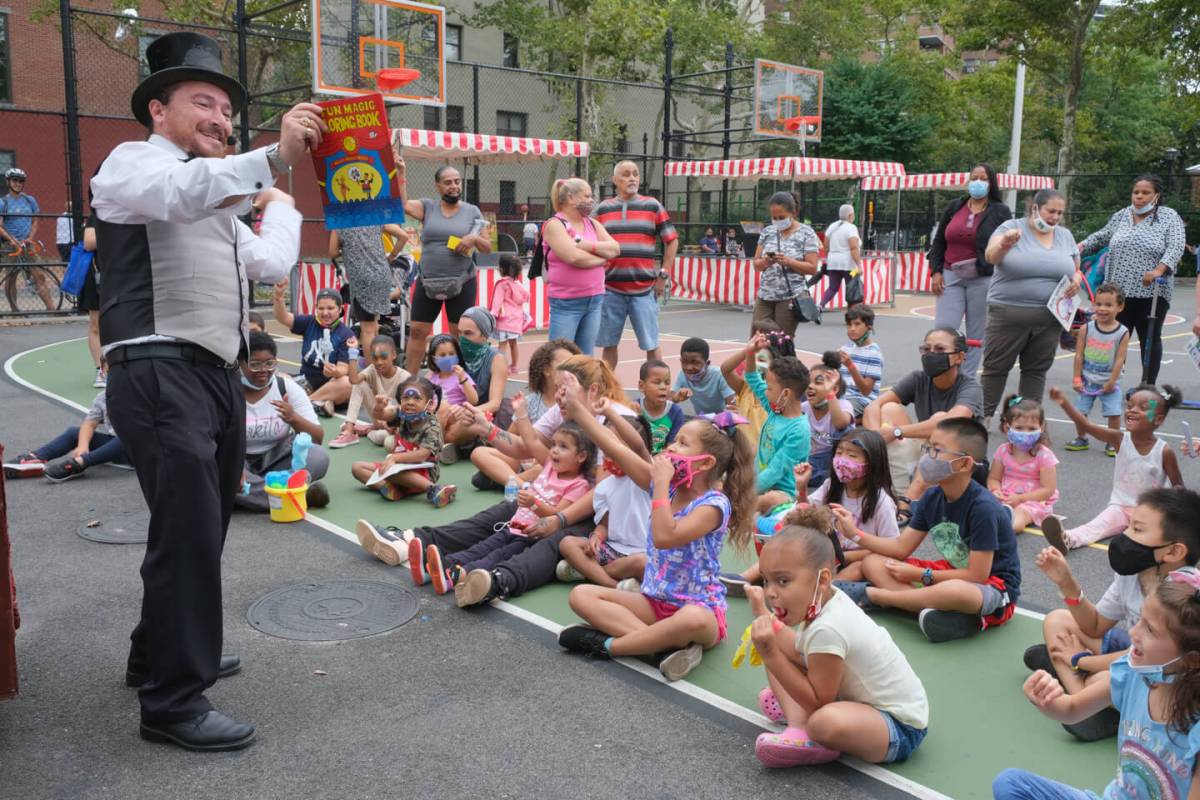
pixel 1016 400
pixel 726 421
pixel 1187 575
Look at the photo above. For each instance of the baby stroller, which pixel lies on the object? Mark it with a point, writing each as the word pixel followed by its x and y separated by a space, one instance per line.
pixel 395 323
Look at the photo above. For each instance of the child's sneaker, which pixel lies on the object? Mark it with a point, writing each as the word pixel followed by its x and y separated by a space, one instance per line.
pixel 345 438
pixel 1077 444
pixel 362 428
pixel 582 639
pixel 1038 657
pixel 389 442
pixel 480 586
pixel 377 436
pixel 317 495
pixel 393 493
pixel 769 704
pixel 441 496
pixel 630 585
pixel 449 454
pixel 735 585
pixel 1052 529
pixel 437 573
pixel 27 465
pixel 1101 725
pixel 388 544
pixel 101 380
pixel 944 626
pixel 64 470
pixel 1110 451
pixel 678 664
pixel 324 408
pixel 416 562
pixel 566 573
pixel 791 748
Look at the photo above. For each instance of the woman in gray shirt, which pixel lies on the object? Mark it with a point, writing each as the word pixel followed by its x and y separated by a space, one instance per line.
pixel 448 274
pixel 1031 255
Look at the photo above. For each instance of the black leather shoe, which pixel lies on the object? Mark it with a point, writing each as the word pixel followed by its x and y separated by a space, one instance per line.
pixel 230 664
pixel 212 730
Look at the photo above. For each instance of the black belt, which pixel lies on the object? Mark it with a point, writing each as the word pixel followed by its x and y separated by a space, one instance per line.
pixel 178 351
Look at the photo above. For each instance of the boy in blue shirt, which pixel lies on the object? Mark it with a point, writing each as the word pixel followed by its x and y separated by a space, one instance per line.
pixel 862 360
pixel 978 579
pixel 698 381
pixel 325 353
pixel 785 439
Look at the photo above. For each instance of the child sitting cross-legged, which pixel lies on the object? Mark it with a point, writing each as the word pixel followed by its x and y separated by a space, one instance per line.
pixel 616 549
pixel 566 477
pixel 418 438
pixel 702 488
pixel 829 414
pixel 835 677
pixel 978 579
pixel 1154 688
pixel 785 440
pixel 663 416
pixel 381 376
pixel 699 382
pixel 1082 640
pixel 1024 471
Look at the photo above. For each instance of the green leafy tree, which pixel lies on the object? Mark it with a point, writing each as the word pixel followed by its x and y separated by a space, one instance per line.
pixel 876 111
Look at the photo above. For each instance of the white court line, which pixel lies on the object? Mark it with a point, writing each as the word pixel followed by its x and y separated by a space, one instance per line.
pixel 874 771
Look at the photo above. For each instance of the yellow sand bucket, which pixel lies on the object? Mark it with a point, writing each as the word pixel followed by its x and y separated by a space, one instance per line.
pixel 287 505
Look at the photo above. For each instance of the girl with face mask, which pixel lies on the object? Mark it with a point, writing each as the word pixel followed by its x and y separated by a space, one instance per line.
pixel 835 678
pixel 1024 473
pixel 1156 690
pixel 787 251
pixel 1145 241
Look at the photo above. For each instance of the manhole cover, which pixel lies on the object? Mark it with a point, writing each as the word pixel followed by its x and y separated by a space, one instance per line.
pixel 128 528
pixel 332 610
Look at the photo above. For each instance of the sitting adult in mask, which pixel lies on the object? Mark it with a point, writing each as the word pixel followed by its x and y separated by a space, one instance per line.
pixel 940 389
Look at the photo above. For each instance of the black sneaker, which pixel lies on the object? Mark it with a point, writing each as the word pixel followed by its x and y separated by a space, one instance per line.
pixel 317 495
pixel 64 470
pixel 1101 725
pixel 1038 657
pixel 582 639
pixel 485 484
pixel 945 626
pixel 1052 529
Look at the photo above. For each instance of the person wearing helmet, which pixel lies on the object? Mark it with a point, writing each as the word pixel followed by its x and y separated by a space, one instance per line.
pixel 17 209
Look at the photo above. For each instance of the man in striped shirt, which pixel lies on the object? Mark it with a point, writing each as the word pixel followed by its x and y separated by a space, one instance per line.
pixel 632 284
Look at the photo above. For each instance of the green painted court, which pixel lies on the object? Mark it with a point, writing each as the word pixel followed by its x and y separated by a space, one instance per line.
pixel 980 722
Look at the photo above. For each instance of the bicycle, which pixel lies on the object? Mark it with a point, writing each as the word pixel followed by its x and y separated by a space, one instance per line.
pixel 27 278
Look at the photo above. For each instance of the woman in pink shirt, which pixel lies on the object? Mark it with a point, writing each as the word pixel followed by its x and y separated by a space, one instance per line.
pixel 577 248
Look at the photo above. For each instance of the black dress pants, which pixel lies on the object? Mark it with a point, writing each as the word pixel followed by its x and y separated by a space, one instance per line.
pixel 183 426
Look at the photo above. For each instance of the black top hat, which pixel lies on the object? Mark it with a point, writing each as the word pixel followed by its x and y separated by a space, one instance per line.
pixel 178 57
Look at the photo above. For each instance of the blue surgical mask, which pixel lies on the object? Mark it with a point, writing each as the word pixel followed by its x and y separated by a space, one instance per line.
pixel 1142 210
pixel 1024 440
pixel 412 416
pixel 934 470
pixel 977 189
pixel 445 363
pixel 1153 673
pixel 249 384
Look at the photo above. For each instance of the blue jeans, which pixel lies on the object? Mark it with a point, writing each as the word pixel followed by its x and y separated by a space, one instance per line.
pixel 102 449
pixel 642 311
pixel 1017 784
pixel 577 319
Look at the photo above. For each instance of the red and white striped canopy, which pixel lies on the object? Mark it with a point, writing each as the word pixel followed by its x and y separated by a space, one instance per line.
pixel 789 167
pixel 480 148
pixel 952 180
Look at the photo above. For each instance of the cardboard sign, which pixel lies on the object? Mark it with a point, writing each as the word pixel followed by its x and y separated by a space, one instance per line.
pixel 354 164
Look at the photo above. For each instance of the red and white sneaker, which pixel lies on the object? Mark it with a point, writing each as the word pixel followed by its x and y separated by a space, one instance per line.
pixel 27 465
pixel 791 748
pixel 416 562
pixel 345 438
pixel 442 582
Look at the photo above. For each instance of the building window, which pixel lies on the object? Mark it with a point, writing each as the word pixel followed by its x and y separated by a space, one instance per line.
pixel 433 118
pixel 970 65
pixel 511 56
pixel 454 119
pixel 511 123
pixel 508 198
pixel 5 61
pixel 8 160
pixel 454 43
pixel 472 189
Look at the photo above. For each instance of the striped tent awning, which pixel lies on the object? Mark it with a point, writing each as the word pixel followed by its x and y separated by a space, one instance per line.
pixel 480 148
pixel 952 180
pixel 789 167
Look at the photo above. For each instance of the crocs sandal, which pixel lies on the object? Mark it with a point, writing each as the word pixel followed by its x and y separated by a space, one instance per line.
pixel 857 592
pixel 769 704
pixel 791 748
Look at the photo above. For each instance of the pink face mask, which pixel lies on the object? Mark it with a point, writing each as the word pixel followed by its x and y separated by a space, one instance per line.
pixel 685 470
pixel 848 469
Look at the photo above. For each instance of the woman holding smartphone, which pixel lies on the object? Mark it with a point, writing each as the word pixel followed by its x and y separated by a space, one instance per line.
pixel 787 251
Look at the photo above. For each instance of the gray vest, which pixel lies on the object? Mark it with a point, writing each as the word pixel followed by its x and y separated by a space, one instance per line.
pixel 182 280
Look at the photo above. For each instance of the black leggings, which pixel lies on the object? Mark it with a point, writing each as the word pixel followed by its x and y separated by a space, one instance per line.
pixel 835 278
pixel 1136 317
pixel 425 309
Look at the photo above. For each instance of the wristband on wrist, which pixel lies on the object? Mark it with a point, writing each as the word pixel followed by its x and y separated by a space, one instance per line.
pixel 660 502
pixel 1075 659
pixel 1074 601
pixel 562 520
pixel 493 433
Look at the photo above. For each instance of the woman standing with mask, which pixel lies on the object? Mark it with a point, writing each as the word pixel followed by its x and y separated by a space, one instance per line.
pixel 1031 255
pixel 1145 242
pixel 957 258
pixel 787 250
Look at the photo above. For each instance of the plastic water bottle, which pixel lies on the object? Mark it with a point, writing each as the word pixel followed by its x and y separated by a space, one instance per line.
pixel 511 488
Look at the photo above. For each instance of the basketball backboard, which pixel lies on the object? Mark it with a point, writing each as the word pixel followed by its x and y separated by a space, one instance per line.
pixel 787 100
pixel 354 39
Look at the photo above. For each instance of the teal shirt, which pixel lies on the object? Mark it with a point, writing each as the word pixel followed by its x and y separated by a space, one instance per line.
pixel 784 443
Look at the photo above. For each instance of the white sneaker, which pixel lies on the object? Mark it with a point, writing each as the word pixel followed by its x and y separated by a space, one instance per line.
pixel 389 545
pixel 101 380
pixel 630 585
pixel 566 573
pixel 681 662
pixel 377 436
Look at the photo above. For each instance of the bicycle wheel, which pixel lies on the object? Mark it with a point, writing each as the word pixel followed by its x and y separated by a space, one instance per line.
pixel 12 275
pixel 52 281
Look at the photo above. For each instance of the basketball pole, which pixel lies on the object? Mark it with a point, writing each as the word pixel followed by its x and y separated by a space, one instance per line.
pixel 1014 146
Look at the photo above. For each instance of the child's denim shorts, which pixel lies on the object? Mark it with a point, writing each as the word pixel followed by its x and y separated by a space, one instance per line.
pixel 902 739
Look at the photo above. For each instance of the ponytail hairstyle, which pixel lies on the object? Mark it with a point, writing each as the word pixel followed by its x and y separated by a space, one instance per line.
pixel 1157 183
pixel 878 477
pixel 1017 406
pixel 1167 395
pixel 734 469
pixel 812 528
pixel 594 371
pixel 564 189
pixel 786 201
pixel 585 445
pixel 1179 595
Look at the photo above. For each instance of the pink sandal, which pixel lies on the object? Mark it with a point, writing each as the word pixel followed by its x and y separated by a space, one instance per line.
pixel 791 748
pixel 769 704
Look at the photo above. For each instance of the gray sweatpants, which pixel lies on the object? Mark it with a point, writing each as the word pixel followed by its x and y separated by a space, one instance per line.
pixel 1017 333
pixel 965 297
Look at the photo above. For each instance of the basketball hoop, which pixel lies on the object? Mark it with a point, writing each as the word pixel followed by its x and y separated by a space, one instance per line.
pixel 792 124
pixel 391 78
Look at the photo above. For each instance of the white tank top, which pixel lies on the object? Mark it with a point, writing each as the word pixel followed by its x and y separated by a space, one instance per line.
pixel 1134 473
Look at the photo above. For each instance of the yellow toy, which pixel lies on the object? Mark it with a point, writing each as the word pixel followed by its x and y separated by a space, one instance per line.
pixel 747 650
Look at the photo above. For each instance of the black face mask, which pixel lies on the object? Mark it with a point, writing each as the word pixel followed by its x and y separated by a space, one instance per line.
pixel 1127 557
pixel 935 364
pixel 450 199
